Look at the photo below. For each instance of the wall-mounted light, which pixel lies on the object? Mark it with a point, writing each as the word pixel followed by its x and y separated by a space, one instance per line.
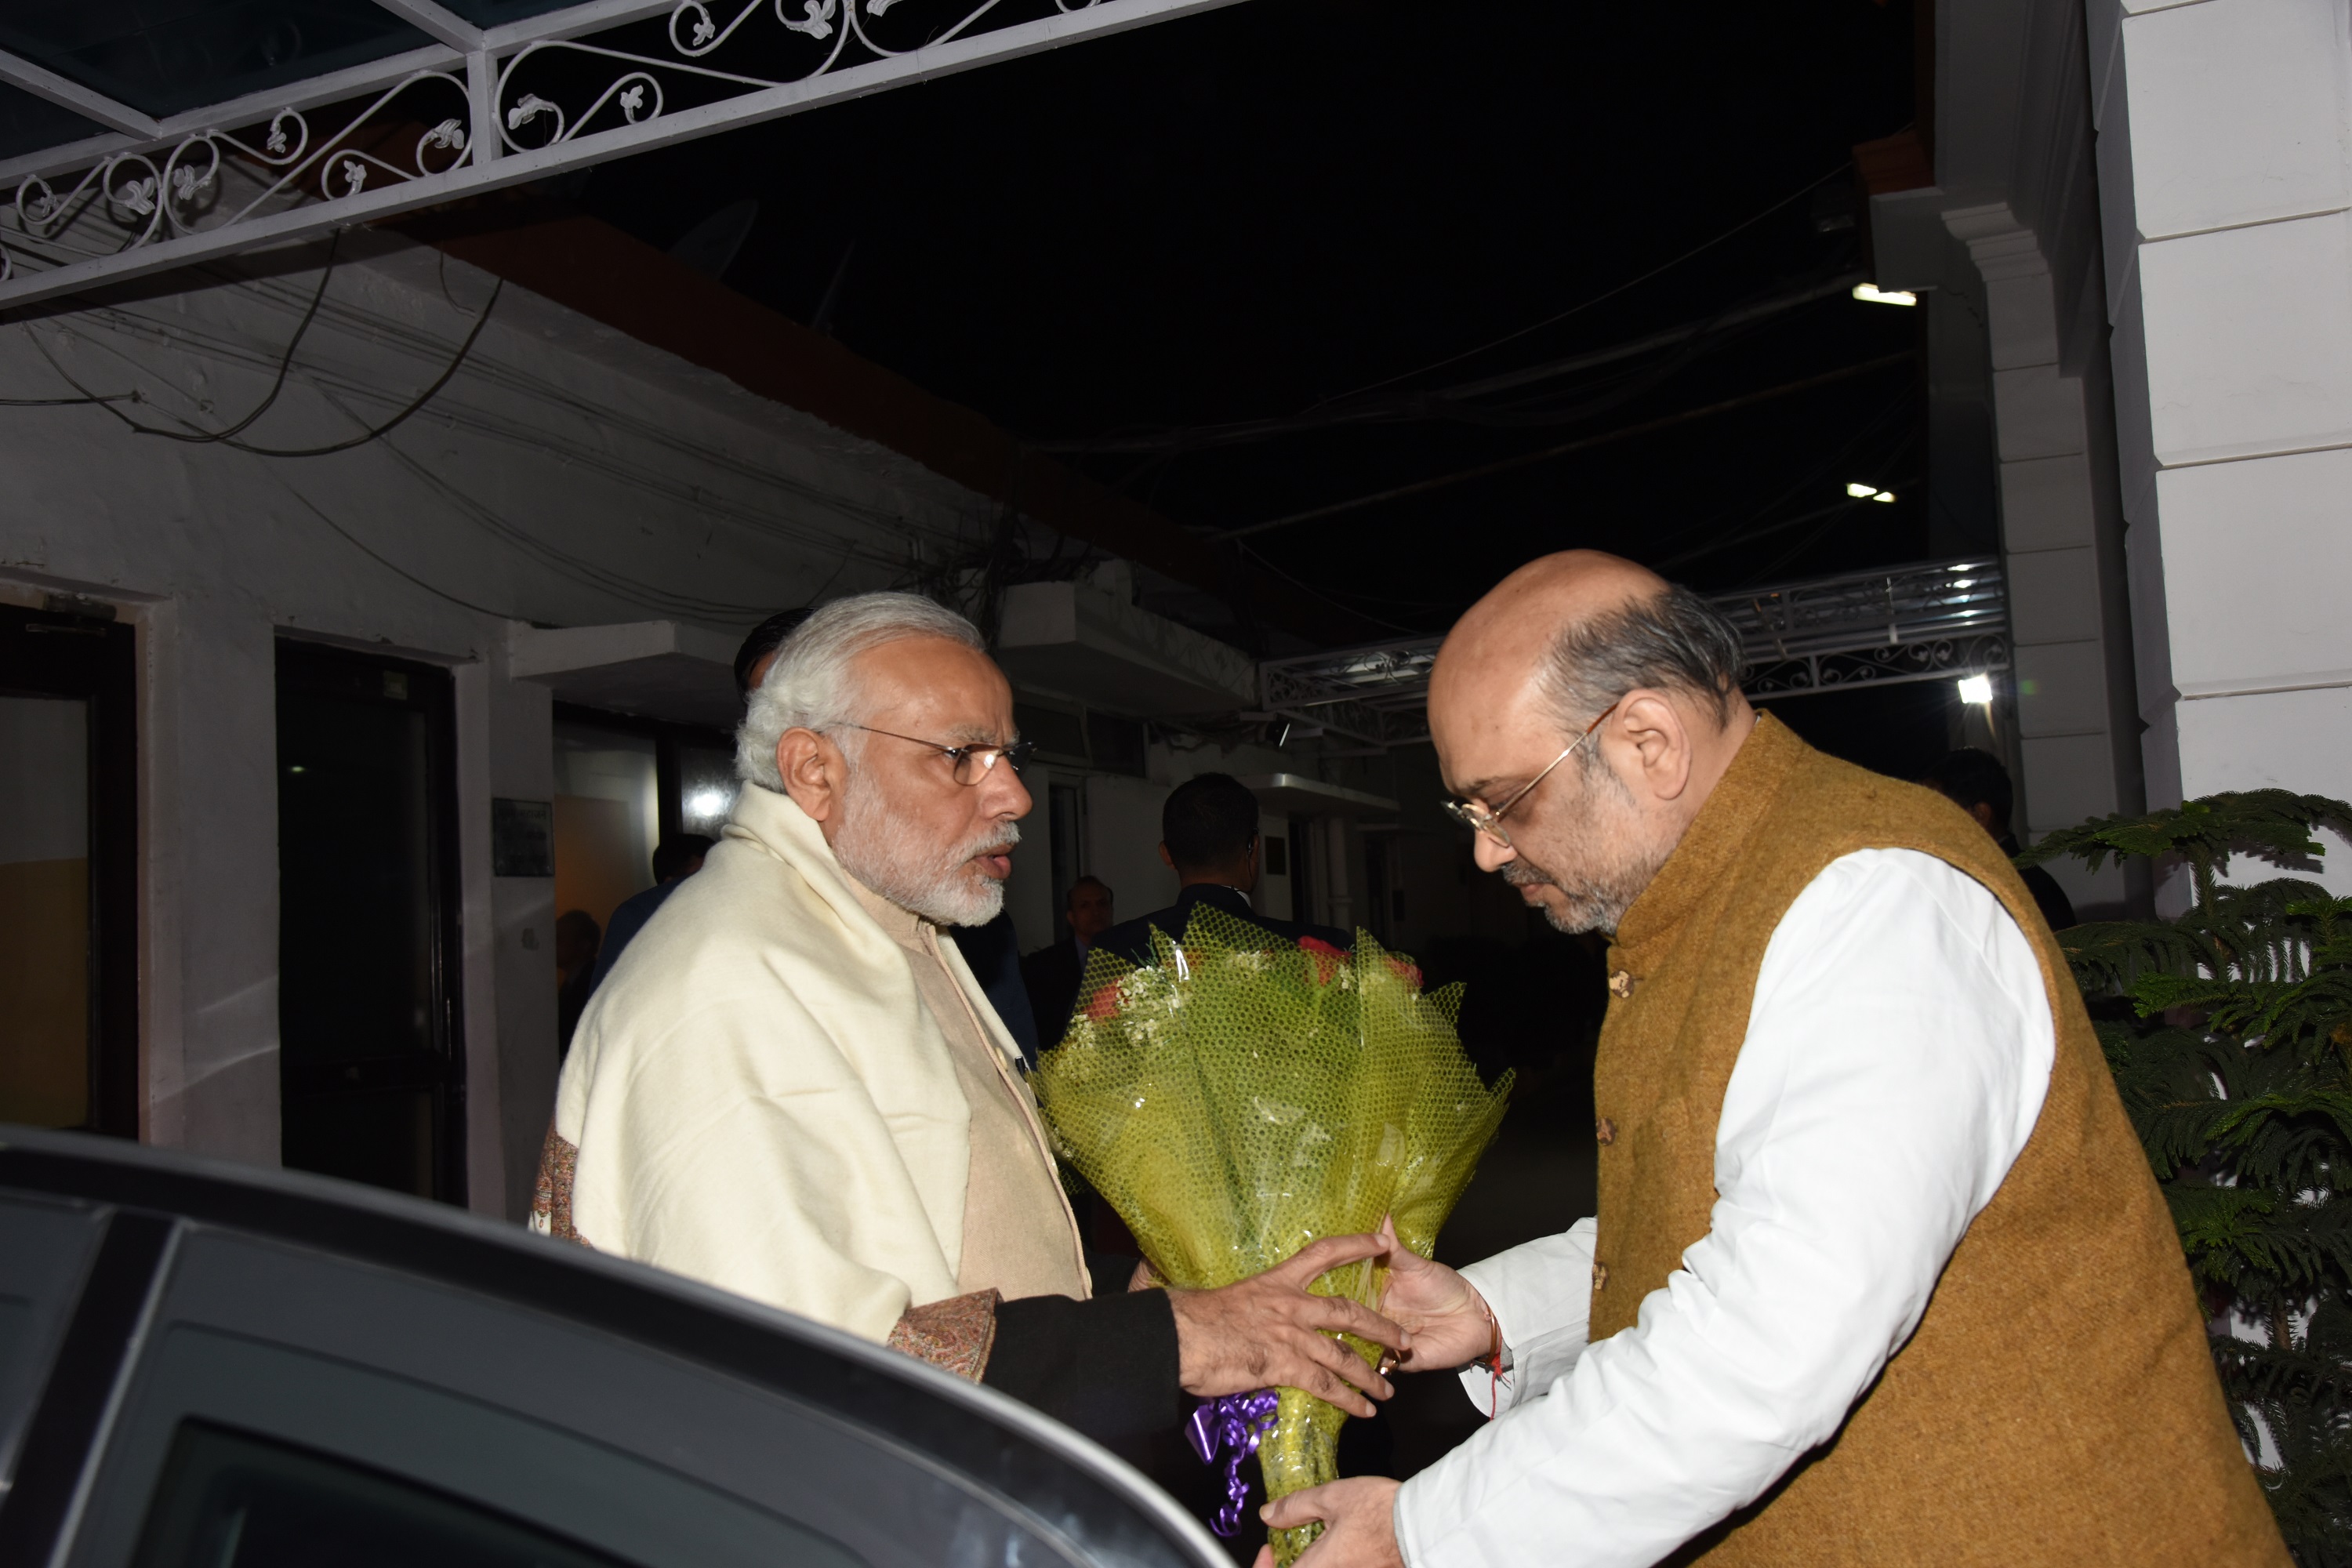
pixel 1868 492
pixel 1871 294
pixel 707 803
pixel 1976 688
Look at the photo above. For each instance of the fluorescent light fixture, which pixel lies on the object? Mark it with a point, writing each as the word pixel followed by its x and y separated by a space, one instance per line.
pixel 1861 493
pixel 1871 294
pixel 1964 582
pixel 708 803
pixel 1976 688
pixel 1884 495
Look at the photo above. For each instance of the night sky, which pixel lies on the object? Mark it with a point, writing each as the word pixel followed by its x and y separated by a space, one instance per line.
pixel 1252 215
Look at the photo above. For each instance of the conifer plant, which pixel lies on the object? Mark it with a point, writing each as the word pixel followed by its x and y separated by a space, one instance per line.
pixel 2229 1029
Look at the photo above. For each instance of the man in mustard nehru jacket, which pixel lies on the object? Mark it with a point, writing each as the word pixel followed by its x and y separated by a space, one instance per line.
pixel 1880 1274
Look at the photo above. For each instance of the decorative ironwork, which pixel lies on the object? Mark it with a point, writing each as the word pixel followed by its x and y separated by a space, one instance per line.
pixel 1934 622
pixel 1941 658
pixel 481 109
pixel 131 199
pixel 1378 694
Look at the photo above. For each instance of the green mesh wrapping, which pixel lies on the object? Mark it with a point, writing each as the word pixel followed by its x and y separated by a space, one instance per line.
pixel 1242 1097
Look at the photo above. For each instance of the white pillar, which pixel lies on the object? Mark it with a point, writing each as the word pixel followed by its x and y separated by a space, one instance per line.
pixel 2222 149
pixel 2076 743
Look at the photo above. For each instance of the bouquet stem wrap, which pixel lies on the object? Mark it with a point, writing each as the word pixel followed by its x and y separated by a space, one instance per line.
pixel 1240 1097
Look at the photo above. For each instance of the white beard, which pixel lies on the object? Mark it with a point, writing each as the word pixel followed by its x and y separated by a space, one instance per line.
pixel 880 850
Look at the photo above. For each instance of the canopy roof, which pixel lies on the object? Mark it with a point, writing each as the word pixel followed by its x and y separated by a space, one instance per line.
pixel 138 135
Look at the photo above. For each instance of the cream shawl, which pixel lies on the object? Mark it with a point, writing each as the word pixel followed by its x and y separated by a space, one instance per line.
pixel 758 1098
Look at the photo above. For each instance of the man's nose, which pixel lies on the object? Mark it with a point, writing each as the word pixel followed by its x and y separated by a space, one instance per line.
pixel 1004 795
pixel 1489 854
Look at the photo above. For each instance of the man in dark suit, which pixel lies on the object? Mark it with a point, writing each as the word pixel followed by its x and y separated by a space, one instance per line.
pixel 1051 974
pixel 1976 782
pixel 1208 835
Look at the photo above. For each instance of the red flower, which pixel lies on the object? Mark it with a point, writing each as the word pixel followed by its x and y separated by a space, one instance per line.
pixel 1328 959
pixel 1103 1003
pixel 1405 969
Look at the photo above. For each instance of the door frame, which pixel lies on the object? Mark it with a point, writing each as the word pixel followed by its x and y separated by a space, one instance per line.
pixel 93 657
pixel 436 697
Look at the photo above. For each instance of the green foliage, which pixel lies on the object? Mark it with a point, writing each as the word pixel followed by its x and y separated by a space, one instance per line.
pixel 2229 1029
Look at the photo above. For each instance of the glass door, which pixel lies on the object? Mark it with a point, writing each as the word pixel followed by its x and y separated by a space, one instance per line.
pixel 371 1058
pixel 69 873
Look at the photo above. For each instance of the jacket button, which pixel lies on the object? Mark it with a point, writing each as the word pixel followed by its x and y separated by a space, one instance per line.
pixel 1605 1130
pixel 1600 1276
pixel 1622 982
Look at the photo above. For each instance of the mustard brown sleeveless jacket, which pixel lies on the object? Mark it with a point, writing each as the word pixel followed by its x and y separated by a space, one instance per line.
pixel 2057 1403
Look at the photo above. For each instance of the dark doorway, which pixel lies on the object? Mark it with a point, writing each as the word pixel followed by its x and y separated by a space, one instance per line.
pixel 372 1060
pixel 68 872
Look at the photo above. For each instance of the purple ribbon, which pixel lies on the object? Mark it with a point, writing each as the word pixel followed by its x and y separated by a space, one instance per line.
pixel 1234 1421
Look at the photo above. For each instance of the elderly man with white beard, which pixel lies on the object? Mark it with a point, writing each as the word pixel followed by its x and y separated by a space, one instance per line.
pixel 792 1087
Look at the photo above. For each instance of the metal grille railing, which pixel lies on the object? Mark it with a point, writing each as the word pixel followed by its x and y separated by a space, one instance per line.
pixel 1938 621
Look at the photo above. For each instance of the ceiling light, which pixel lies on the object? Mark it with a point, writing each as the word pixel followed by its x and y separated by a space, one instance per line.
pixel 1884 495
pixel 1861 493
pixel 1871 294
pixel 1976 688
pixel 1964 582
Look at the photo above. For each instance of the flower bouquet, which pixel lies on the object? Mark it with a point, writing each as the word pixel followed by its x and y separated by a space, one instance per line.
pixel 1241 1097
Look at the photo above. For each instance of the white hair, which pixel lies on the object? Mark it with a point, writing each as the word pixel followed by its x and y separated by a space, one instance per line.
pixel 810 686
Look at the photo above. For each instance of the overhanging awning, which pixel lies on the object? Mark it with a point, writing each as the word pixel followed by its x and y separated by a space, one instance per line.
pixel 656 670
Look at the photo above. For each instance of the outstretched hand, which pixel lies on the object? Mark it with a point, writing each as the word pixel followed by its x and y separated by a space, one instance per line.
pixel 1359 1517
pixel 1442 1310
pixel 1267 1330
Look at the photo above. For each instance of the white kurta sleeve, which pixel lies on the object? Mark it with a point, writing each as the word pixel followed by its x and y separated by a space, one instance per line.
pixel 1898 1050
pixel 1543 1322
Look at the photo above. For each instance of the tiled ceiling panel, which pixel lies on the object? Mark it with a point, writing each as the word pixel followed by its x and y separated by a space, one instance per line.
pixel 492 13
pixel 27 123
pixel 166 56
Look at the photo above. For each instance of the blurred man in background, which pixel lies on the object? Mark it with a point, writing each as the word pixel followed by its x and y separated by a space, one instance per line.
pixel 1051 974
pixel 1976 782
pixel 675 860
pixel 1208 836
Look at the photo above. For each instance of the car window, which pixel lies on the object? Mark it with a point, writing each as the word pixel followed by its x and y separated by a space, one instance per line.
pixel 485 1462
pixel 44 1247
pixel 229 1499
pixel 653 1460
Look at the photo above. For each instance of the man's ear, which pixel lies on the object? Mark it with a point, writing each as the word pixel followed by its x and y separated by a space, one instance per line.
pixel 814 773
pixel 1649 726
pixel 1166 858
pixel 1982 811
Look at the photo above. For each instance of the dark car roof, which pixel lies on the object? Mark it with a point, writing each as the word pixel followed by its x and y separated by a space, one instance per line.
pixel 147 1207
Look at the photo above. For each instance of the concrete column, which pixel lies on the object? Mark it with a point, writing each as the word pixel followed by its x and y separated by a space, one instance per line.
pixel 2222 136
pixel 209 755
pixel 2076 741
pixel 511 1070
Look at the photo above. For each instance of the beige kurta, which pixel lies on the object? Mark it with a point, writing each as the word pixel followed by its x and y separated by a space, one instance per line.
pixel 760 1097
pixel 1018 1237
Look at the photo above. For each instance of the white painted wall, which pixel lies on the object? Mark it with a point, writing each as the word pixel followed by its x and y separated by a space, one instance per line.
pixel 2225 164
pixel 566 476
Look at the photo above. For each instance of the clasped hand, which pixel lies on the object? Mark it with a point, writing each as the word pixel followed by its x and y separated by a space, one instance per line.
pixel 1267 1330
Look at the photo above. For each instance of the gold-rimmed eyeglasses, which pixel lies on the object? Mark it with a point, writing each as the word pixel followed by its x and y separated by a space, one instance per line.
pixel 1488 820
pixel 972 764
